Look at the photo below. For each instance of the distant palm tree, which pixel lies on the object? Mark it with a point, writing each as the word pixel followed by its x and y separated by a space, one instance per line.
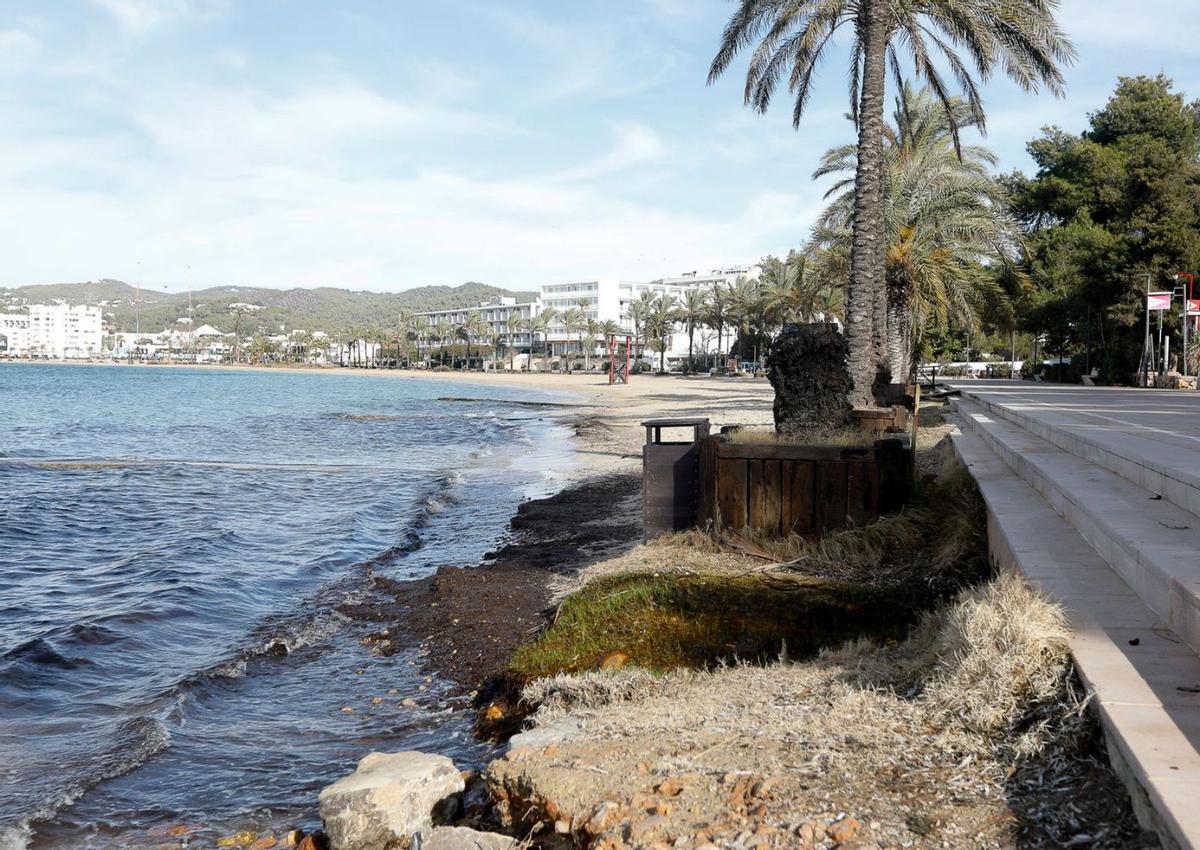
pixel 474 328
pixel 540 324
pixel 573 322
pixel 718 314
pixel 442 331
pixel 639 311
pixel 1021 36
pixel 516 325
pixel 692 313
pixel 664 313
pixel 749 311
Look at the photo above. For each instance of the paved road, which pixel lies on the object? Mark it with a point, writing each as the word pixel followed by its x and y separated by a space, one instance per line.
pixel 1159 429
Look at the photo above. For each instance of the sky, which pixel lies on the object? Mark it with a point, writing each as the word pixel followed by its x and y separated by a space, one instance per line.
pixel 385 144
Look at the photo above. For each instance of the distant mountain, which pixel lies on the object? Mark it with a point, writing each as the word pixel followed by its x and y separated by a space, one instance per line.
pixel 323 309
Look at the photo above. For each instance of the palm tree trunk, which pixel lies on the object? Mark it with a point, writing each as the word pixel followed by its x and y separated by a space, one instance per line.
pixel 691 335
pixel 900 335
pixel 867 246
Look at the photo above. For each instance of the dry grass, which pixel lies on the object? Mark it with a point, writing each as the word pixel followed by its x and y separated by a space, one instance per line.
pixel 953 737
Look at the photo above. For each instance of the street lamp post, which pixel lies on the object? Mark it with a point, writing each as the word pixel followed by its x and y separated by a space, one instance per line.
pixel 1187 303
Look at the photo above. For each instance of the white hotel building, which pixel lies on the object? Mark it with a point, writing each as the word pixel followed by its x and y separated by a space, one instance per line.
pixel 58 331
pixel 607 300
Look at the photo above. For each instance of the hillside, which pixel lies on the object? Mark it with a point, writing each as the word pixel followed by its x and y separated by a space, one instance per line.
pixel 326 308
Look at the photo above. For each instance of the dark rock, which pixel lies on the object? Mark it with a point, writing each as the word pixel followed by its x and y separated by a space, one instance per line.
pixel 812 384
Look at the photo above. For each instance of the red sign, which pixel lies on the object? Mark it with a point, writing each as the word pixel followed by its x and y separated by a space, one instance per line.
pixel 1158 301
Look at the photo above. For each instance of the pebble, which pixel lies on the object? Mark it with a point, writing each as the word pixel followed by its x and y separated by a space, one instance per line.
pixel 238 839
pixel 347 709
pixel 393 691
pixel 376 700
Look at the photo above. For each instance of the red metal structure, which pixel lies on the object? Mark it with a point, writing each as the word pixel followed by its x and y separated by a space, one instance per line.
pixel 618 375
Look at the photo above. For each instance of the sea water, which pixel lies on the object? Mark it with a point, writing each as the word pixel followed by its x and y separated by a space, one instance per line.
pixel 174 546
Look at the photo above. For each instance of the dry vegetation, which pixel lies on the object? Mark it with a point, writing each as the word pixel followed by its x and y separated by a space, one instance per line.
pixel 958 736
pixel 967 730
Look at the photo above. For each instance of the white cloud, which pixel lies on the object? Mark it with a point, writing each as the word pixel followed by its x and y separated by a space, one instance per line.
pixel 16 46
pixel 141 16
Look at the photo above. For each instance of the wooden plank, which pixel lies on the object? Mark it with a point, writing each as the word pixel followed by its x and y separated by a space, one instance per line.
pixel 731 495
pixel 797 497
pixel 862 492
pixel 786 451
pixel 765 495
pixel 894 470
pixel 830 508
pixel 708 512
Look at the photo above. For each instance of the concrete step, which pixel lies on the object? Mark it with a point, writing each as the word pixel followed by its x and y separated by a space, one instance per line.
pixel 1157 459
pixel 1143 676
pixel 1153 544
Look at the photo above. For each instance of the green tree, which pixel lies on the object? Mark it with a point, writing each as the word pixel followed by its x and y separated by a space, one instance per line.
pixel 946 220
pixel 660 324
pixel 1105 209
pixel 517 324
pixel 693 312
pixel 718 314
pixel 540 325
pixel 573 322
pixel 1020 36
pixel 443 331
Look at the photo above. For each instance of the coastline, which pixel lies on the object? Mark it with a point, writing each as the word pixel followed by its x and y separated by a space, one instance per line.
pixel 469 618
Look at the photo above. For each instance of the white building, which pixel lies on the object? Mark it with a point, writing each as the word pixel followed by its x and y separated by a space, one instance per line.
pixel 65 331
pixel 497 313
pixel 601 301
pixel 14 334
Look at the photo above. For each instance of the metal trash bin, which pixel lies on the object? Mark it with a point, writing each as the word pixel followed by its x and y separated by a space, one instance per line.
pixel 670 477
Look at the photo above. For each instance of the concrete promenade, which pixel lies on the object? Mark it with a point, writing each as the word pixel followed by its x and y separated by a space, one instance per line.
pixel 1094 495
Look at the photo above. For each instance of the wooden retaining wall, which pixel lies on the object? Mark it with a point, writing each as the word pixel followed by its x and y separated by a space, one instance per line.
pixel 780 488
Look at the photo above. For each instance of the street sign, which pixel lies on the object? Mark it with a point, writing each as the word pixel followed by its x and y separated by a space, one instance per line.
pixel 1158 301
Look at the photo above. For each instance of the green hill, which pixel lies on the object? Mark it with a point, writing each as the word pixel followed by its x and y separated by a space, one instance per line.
pixel 325 308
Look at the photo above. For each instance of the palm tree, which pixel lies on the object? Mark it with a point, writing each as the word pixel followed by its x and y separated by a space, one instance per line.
pixel 639 311
pixel 718 314
pixel 945 217
pixel 749 312
pixel 442 331
pixel 660 324
pixel 540 324
pixel 607 329
pixel 413 331
pixel 474 327
pixel 1021 36
pixel 573 322
pixel 591 329
pixel 693 313
pixel 516 325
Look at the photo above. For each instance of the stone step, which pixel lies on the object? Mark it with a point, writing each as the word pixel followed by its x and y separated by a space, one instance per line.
pixel 1143 676
pixel 1160 460
pixel 1153 544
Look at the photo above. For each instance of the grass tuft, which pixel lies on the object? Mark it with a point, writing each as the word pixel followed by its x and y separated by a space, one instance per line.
pixel 667 621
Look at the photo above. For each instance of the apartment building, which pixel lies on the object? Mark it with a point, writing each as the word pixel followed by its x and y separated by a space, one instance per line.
pixel 497 312
pixel 14 334
pixel 59 331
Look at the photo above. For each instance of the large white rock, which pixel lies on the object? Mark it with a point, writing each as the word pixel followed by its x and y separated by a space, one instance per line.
pixel 462 838
pixel 388 799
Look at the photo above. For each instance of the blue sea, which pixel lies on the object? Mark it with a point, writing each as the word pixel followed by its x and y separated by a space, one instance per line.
pixel 174 544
